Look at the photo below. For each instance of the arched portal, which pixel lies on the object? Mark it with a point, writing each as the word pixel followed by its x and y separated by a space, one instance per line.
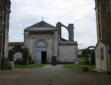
pixel 17 56
pixel 22 54
pixel 41 52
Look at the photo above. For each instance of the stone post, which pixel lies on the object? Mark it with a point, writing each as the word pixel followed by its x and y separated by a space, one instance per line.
pixel 58 27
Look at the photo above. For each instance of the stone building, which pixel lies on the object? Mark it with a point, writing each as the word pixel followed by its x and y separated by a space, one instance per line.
pixel 103 47
pixel 4 28
pixel 44 41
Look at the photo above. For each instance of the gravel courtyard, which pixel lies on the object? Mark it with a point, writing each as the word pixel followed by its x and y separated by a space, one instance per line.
pixel 53 75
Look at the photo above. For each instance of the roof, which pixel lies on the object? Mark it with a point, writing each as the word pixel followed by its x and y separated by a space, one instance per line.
pixel 41 24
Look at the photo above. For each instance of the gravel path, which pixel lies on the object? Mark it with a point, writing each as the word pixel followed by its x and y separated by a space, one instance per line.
pixel 52 75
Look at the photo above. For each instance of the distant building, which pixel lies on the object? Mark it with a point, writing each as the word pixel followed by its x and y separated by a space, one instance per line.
pixel 103 47
pixel 44 41
pixel 4 28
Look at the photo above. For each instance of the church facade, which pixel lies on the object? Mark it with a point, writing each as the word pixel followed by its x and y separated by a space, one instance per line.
pixel 44 41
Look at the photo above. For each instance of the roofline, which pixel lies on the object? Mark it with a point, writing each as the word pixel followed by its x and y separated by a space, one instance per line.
pixel 39 27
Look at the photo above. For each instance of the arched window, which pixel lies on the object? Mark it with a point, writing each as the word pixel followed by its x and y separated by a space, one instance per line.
pixel 41 44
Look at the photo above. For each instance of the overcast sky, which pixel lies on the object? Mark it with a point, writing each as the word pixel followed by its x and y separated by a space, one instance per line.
pixel 79 12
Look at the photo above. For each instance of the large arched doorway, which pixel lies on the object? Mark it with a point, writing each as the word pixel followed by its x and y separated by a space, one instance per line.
pixel 19 53
pixel 41 52
pixel 18 56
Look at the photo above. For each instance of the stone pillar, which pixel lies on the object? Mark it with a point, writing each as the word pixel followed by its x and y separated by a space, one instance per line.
pixel 58 37
pixel 71 32
pixel 56 48
pixel 1 27
pixel 58 27
pixel 4 28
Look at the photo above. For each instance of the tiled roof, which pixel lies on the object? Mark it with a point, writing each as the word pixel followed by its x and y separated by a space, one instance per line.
pixel 42 24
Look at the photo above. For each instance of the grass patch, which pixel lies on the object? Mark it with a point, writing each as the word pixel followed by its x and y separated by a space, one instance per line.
pixel 77 66
pixel 30 66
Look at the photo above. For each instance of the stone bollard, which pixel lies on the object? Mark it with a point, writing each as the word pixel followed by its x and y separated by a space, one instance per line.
pixel 54 60
pixel 11 65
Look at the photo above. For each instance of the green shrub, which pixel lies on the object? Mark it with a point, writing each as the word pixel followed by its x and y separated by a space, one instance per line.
pixel 82 61
pixel 31 61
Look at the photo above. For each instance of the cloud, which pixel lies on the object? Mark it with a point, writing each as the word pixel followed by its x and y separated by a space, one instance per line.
pixel 80 12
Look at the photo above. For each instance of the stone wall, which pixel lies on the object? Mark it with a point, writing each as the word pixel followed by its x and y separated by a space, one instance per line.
pixel 103 58
pixel 103 16
pixel 13 44
pixel 100 63
pixel 68 52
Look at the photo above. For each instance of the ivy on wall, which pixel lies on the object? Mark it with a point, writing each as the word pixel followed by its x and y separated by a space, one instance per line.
pixel 26 56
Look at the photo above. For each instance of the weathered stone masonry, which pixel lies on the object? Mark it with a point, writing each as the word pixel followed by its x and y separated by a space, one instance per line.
pixel 103 47
pixel 4 27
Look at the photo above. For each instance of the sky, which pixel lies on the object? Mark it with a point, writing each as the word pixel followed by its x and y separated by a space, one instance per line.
pixel 81 13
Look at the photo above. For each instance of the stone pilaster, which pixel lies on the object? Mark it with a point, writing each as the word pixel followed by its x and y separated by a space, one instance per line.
pixel 1 34
pixel 4 28
pixel 56 48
